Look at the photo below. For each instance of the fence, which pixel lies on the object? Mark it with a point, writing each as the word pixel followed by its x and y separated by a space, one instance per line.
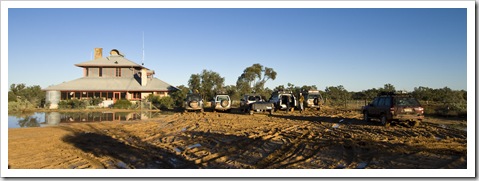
pixel 348 104
pixel 430 107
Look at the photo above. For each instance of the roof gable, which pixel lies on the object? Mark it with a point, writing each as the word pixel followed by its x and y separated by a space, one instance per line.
pixel 110 61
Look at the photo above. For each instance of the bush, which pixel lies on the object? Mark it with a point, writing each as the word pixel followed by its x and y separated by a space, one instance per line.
pixel 122 104
pixel 165 102
pixel 73 104
pixel 162 102
pixel 94 101
pixel 64 104
pixel 445 109
pixel 19 106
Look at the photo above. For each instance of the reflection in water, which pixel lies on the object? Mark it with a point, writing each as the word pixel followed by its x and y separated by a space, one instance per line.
pixel 22 120
pixel 28 122
pixel 54 118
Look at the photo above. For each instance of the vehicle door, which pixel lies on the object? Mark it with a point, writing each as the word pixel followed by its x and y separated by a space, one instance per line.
pixel 293 101
pixel 373 107
pixel 382 107
pixel 387 106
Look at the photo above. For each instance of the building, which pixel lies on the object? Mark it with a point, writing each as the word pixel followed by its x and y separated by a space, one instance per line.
pixel 111 78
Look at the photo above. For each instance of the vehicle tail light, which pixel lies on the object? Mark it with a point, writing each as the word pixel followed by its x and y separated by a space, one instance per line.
pixel 420 109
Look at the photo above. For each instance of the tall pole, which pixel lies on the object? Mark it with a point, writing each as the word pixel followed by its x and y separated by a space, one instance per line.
pixel 143 56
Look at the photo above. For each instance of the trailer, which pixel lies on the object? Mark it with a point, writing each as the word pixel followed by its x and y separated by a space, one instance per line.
pixel 261 107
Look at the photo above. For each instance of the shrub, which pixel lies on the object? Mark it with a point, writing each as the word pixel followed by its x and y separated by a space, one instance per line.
pixel 73 104
pixel 122 104
pixel 165 102
pixel 162 102
pixel 64 104
pixel 19 106
pixel 94 101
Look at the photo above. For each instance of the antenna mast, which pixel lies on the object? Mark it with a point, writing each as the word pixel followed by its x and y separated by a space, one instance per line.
pixel 143 57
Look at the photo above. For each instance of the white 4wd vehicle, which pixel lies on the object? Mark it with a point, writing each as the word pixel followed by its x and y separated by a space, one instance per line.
pixel 283 100
pixel 221 102
pixel 313 99
pixel 193 102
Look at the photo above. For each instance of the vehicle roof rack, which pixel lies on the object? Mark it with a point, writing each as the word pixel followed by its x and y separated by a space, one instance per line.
pixel 283 91
pixel 221 93
pixel 384 93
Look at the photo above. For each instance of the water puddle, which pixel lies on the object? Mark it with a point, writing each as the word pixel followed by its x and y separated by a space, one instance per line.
pixel 41 119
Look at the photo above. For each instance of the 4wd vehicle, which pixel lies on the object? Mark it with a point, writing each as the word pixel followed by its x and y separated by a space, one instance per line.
pixel 398 107
pixel 312 99
pixel 247 100
pixel 193 102
pixel 283 100
pixel 221 102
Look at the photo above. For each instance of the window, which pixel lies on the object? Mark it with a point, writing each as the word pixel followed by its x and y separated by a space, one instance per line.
pixel 388 101
pixel 100 72
pixel 118 72
pixel 136 95
pixel 375 102
pixel 86 72
pixel 381 101
pixel 406 101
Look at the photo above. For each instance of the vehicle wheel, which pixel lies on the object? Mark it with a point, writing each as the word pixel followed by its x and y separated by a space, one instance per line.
pixel 384 121
pixel 224 103
pixel 366 117
pixel 316 101
pixel 414 123
pixel 193 104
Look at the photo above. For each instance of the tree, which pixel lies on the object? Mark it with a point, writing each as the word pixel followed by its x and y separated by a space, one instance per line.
pixel 267 93
pixel 294 89
pixel 279 87
pixel 254 78
pixel 371 93
pixel 208 83
pixel 31 94
pixel 388 88
pixel 195 82
pixel 338 95
pixel 423 93
pixel 232 92
pixel 308 88
pixel 180 95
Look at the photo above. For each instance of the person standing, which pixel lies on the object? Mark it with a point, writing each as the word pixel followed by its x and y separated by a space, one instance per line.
pixel 301 102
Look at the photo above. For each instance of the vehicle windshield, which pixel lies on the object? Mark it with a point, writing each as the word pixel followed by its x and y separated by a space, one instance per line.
pixel 406 101
pixel 222 97
pixel 193 97
pixel 313 96
pixel 254 98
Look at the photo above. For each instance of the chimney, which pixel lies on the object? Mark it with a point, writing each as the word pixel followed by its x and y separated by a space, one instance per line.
pixel 98 53
pixel 143 77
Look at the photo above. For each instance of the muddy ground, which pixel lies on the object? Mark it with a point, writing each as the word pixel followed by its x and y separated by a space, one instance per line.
pixel 327 139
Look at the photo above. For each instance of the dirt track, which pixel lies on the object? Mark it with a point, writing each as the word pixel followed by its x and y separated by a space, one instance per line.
pixel 330 139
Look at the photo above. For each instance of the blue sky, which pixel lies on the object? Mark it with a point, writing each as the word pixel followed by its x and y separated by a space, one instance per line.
pixel 357 48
